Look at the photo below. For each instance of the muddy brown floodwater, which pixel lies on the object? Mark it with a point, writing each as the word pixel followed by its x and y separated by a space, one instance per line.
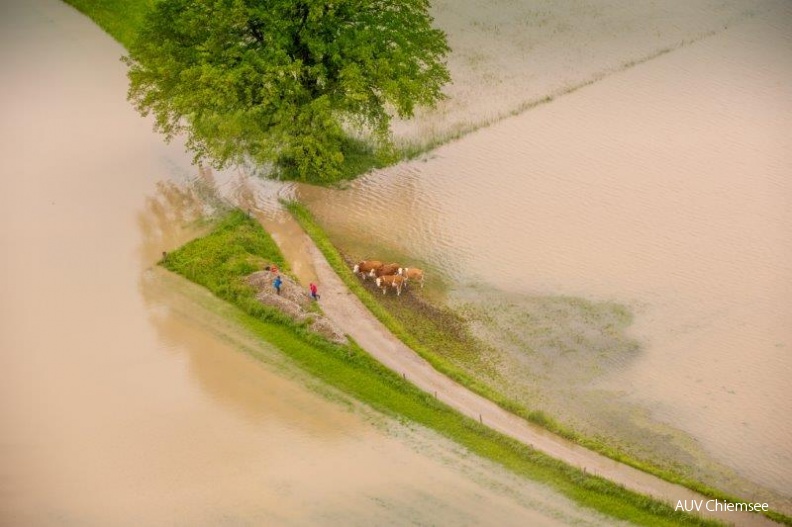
pixel 126 396
pixel 663 189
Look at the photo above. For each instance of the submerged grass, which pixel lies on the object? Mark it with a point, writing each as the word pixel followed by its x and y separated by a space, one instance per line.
pixel 238 245
pixel 439 335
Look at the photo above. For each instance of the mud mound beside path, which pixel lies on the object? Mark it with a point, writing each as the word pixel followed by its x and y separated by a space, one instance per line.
pixel 295 301
pixel 290 289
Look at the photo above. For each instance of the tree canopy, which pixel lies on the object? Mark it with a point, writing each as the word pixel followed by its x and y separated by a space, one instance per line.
pixel 282 82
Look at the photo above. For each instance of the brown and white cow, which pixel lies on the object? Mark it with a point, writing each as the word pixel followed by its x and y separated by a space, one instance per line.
pixel 363 268
pixel 412 274
pixel 392 280
pixel 385 270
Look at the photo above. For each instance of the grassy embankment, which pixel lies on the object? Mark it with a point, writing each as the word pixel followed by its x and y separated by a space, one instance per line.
pixel 440 336
pixel 238 246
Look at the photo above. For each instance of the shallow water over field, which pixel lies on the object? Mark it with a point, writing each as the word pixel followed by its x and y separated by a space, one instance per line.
pixel 126 397
pixel 664 188
pixel 509 55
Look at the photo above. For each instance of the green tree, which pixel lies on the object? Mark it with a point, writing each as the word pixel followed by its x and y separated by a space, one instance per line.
pixel 282 82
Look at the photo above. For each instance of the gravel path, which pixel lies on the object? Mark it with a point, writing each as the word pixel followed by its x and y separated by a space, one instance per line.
pixel 347 312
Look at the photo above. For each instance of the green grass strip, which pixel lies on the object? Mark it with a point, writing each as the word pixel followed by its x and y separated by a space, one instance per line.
pixel 119 18
pixel 238 246
pixel 407 334
pixel 340 266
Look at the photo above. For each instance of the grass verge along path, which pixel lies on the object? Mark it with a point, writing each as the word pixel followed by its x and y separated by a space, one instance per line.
pixel 238 246
pixel 453 337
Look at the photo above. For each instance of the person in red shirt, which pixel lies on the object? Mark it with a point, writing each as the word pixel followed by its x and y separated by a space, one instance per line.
pixel 314 293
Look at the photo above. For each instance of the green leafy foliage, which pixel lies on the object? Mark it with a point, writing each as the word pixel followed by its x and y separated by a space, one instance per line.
pixel 280 83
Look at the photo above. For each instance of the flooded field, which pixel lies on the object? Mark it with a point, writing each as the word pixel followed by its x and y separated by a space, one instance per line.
pixel 508 54
pixel 126 396
pixel 648 217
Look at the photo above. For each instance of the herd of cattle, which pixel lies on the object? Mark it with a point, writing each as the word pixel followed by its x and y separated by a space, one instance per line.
pixel 389 275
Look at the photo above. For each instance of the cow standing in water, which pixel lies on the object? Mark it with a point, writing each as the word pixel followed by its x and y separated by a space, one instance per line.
pixel 365 267
pixel 412 274
pixel 385 270
pixel 394 280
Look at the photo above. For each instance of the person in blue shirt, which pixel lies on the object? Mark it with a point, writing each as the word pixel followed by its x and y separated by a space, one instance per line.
pixel 277 284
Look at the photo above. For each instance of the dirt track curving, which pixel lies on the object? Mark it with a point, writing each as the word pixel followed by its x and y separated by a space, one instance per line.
pixel 343 308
